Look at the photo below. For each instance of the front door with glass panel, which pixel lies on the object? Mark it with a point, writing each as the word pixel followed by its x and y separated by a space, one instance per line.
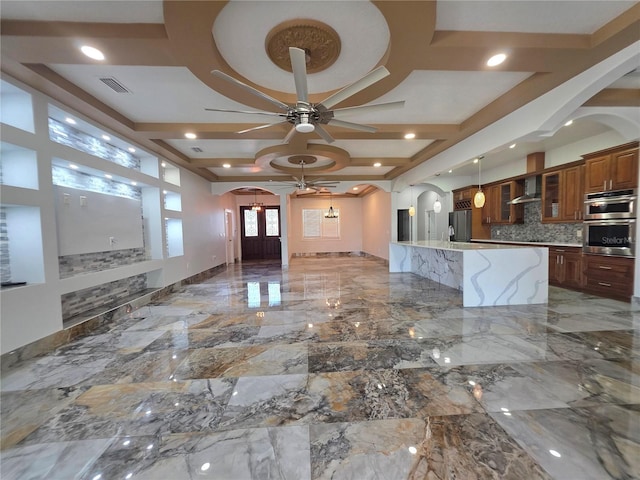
pixel 260 236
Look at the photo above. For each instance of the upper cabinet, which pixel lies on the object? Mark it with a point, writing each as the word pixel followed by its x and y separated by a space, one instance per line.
pixel 612 169
pixel 562 195
pixel 497 209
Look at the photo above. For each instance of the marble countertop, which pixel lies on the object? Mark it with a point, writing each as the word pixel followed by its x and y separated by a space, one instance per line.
pixel 459 246
pixel 542 244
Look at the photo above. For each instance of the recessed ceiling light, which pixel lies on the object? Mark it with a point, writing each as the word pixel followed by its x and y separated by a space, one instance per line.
pixel 163 164
pixel 131 149
pixel 226 165
pixel 106 137
pixel 496 60
pixel 568 123
pixel 513 145
pixel 475 160
pixel 377 164
pixel 190 135
pixel 92 52
pixel 70 120
pixel 355 188
pixel 409 136
pixel 450 171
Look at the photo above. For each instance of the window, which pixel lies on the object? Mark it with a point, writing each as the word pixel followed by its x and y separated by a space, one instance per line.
pixel 250 223
pixel 315 225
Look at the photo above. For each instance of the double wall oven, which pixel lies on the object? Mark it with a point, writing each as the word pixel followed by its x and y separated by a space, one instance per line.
pixel 610 223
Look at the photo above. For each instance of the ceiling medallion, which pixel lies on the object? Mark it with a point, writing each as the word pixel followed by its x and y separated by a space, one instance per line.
pixel 320 42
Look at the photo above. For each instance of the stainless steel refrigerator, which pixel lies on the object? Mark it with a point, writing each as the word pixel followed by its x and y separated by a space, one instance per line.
pixel 460 220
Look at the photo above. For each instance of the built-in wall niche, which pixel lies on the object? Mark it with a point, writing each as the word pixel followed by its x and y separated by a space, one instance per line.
pixel 90 222
pixel 18 166
pixel 173 230
pixel 71 130
pixel 170 174
pixel 22 255
pixel 172 201
pixel 16 107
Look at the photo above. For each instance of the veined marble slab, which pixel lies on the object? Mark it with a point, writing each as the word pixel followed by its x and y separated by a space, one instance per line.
pixel 487 274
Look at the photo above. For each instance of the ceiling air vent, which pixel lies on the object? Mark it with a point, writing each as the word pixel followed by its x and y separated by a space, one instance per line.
pixel 197 149
pixel 114 85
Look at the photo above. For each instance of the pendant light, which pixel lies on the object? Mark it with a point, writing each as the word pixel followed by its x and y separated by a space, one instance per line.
pixel 412 209
pixel 331 212
pixel 255 205
pixel 478 198
pixel 437 206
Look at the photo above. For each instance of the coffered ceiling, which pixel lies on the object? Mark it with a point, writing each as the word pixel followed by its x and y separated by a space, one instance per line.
pixel 162 55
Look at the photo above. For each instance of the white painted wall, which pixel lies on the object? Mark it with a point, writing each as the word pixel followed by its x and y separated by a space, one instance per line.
pixel 351 226
pixel 376 228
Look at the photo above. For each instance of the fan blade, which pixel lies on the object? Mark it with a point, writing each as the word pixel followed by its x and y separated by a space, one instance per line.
pixel 299 67
pixel 249 89
pixel 339 112
pixel 324 134
pixel 271 114
pixel 352 126
pixel 369 79
pixel 290 135
pixel 261 127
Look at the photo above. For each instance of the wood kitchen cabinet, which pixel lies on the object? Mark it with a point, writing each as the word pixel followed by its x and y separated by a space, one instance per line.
pixel 612 169
pixel 610 277
pixel 562 195
pixel 463 198
pixel 497 210
pixel 565 267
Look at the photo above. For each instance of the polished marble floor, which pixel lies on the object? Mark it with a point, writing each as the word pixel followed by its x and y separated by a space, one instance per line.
pixel 333 369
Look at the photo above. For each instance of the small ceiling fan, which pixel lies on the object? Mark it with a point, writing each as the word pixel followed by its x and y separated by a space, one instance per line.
pixel 309 117
pixel 304 186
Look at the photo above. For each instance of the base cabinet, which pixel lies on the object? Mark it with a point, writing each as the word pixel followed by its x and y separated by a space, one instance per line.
pixel 610 277
pixel 565 267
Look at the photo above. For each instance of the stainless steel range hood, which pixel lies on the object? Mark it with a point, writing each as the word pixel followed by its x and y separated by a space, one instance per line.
pixel 532 191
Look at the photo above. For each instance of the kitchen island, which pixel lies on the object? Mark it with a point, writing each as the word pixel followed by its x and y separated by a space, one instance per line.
pixel 487 274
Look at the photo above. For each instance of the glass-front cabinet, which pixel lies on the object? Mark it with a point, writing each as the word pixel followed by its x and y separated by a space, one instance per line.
pixel 498 209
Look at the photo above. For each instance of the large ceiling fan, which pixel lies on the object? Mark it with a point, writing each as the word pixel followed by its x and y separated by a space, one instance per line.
pixel 308 117
pixel 304 186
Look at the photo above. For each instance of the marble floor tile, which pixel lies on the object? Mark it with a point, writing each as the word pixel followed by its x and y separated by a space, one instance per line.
pixel 580 443
pixel 332 370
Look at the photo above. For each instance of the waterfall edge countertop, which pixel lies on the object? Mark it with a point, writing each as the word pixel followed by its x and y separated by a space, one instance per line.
pixel 487 274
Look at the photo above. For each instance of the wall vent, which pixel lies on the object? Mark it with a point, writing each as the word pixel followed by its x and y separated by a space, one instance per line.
pixel 197 149
pixel 114 85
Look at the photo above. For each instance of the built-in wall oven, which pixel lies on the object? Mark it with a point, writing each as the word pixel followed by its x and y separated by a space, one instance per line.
pixel 610 223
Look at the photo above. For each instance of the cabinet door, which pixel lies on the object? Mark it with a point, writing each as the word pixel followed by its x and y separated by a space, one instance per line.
pixel 551 187
pixel 572 266
pixel 596 177
pixel 572 197
pixel 624 169
pixel 555 271
pixel 490 211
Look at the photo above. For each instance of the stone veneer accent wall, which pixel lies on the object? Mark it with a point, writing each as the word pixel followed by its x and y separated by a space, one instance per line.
pixel 534 230
pixel 5 263
pixel 67 135
pixel 71 265
pixel 105 295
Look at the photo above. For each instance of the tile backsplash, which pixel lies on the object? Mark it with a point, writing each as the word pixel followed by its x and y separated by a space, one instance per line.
pixel 534 230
